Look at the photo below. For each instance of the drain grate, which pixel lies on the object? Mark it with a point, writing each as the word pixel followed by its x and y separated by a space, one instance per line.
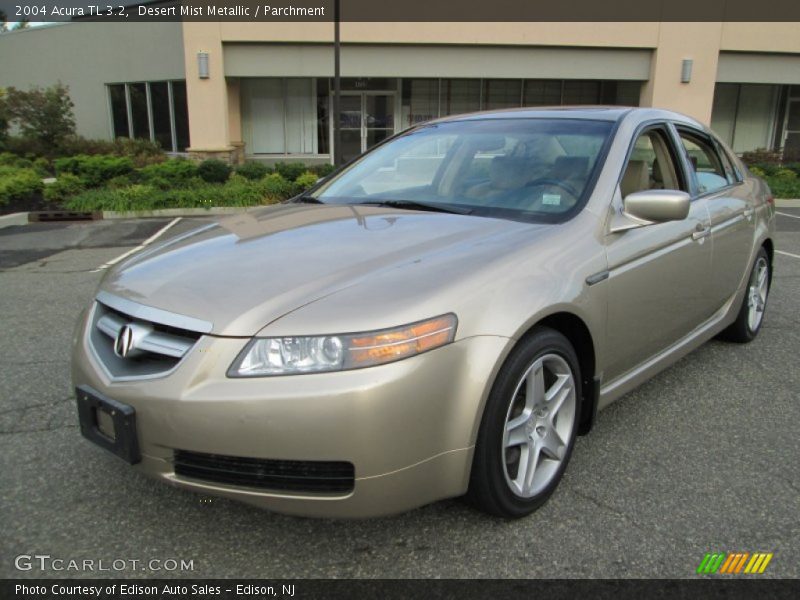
pixel 61 215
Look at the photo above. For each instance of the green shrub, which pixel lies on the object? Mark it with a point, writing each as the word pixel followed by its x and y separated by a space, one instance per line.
pixel 237 191
pixel 43 167
pixel 253 170
pixel 214 171
pixel 7 159
pixel 784 174
pixel 761 156
pixel 94 170
pixel 758 172
pixel 174 172
pixel 64 188
pixel 276 188
pixel 306 180
pixel 290 171
pixel 141 151
pixel 18 184
pixel 119 182
pixel 322 170
pixel 784 188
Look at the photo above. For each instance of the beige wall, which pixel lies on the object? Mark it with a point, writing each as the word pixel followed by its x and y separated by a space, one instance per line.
pixel 698 42
pixel 86 56
pixel 207 98
pixel 568 50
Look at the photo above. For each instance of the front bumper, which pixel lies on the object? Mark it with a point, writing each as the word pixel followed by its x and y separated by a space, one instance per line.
pixel 408 427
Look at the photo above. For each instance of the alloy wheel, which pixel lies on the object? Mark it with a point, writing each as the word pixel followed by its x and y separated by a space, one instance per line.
pixel 538 425
pixel 757 294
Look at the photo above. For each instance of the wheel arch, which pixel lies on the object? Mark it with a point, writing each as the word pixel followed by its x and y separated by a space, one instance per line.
pixel 577 332
pixel 769 246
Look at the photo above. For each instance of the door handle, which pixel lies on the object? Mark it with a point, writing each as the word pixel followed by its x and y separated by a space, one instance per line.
pixel 748 213
pixel 700 232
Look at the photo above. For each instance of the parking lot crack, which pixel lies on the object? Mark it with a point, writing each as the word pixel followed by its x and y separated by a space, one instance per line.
pixel 621 514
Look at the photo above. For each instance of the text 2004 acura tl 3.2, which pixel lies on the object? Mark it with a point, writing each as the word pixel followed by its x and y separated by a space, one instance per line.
pixel 441 317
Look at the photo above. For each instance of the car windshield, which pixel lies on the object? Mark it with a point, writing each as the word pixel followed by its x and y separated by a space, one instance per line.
pixel 529 169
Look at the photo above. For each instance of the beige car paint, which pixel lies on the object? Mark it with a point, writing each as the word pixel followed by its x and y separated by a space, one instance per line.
pixel 647 296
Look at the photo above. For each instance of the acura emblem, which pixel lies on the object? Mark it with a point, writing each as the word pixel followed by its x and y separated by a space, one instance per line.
pixel 124 342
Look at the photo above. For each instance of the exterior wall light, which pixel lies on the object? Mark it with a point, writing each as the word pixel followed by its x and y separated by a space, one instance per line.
pixel 202 65
pixel 686 70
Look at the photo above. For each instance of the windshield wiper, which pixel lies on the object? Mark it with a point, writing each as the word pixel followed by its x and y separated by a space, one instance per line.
pixel 416 205
pixel 304 199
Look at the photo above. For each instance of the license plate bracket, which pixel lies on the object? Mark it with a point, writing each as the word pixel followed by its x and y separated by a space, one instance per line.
pixel 125 441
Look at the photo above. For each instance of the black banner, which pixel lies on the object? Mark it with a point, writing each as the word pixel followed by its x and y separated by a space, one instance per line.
pixel 265 11
pixel 230 589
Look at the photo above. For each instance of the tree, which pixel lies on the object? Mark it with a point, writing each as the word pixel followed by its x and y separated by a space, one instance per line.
pixel 42 114
pixel 23 24
pixel 3 22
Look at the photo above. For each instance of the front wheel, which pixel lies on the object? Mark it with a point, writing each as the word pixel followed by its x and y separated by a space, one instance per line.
pixel 748 322
pixel 528 428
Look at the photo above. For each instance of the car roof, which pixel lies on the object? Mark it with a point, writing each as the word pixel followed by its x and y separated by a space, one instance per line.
pixel 596 113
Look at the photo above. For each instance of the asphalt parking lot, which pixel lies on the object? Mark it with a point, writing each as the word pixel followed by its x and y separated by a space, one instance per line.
pixel 705 457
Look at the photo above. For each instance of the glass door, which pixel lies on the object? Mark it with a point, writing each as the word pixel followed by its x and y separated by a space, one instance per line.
pixel 791 140
pixel 378 118
pixel 365 119
pixel 351 125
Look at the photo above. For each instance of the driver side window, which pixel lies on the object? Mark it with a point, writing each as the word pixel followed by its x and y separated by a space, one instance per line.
pixel 651 165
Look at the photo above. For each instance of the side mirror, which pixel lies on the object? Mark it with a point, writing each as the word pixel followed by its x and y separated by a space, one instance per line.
pixel 656 206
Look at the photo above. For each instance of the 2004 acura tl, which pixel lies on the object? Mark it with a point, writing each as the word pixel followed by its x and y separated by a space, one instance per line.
pixel 440 317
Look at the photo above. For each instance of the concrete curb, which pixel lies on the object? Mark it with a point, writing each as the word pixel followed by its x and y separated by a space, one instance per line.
pixel 20 218
pixel 787 203
pixel 178 212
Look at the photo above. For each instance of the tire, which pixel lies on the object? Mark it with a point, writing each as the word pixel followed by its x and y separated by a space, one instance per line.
pixel 751 314
pixel 518 424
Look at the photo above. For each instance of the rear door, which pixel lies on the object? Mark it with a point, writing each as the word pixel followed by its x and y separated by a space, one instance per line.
pixel 731 211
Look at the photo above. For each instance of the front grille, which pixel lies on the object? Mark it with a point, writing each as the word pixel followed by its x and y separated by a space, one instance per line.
pixel 282 475
pixel 159 347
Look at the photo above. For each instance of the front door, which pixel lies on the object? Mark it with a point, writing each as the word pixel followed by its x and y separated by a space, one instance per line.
pixel 658 284
pixel 365 119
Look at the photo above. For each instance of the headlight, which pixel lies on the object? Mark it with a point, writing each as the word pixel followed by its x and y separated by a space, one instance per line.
pixel 293 355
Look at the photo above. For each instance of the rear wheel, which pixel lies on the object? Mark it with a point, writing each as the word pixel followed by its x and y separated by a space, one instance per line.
pixel 529 426
pixel 748 322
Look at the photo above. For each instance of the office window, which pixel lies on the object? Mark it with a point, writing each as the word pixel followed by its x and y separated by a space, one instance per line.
pixel 119 110
pixel 279 116
pixel 542 92
pixel 155 111
pixel 581 92
pixel 460 96
pixel 139 117
pixel 420 101
pixel 501 93
pixel 151 110
pixel 181 115
pixel 745 116
pixel 162 127
pixel 323 117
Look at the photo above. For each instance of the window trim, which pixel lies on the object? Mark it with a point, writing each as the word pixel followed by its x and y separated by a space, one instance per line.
pixel 687 165
pixel 644 127
pixel 150 122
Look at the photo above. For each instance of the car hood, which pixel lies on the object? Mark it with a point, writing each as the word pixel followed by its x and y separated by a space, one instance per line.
pixel 246 271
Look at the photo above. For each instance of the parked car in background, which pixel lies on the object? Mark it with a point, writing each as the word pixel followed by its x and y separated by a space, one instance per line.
pixel 440 317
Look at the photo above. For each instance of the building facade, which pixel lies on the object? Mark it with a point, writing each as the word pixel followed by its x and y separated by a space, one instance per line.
pixel 263 90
